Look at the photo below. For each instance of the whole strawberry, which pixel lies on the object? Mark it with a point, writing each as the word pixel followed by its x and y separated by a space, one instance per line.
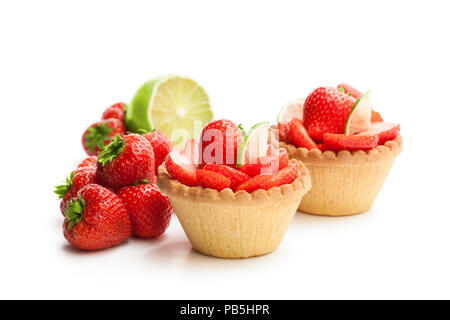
pixel 223 137
pixel 326 110
pixel 149 210
pixel 88 163
pixel 116 111
pixel 161 145
pixel 75 182
pixel 96 219
pixel 100 134
pixel 126 161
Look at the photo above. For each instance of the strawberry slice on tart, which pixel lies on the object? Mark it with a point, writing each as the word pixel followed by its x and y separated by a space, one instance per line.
pixel 385 131
pixel 181 168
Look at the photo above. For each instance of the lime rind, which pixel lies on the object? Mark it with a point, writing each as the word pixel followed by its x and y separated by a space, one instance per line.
pixel 255 144
pixel 292 109
pixel 359 118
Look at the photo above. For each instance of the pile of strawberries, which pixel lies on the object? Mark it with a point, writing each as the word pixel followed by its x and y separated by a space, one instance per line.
pixel 112 193
pixel 325 114
pixel 212 162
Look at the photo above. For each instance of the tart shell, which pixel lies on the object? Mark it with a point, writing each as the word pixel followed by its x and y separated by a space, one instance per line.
pixel 344 182
pixel 231 224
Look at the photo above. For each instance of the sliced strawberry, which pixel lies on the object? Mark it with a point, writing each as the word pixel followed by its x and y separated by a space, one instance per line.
pixel 265 182
pixel 180 167
pixel 213 180
pixel 192 150
pixel 283 131
pixel 299 136
pixel 376 117
pixel 384 130
pixel 348 89
pixel 269 164
pixel 350 142
pixel 236 177
pixel 322 147
pixel 257 182
pixel 287 175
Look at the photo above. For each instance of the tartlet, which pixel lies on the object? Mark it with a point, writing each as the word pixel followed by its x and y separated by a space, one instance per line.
pixel 345 144
pixel 238 224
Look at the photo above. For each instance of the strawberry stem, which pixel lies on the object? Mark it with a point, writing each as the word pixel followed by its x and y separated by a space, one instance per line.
pixel 112 150
pixel 97 136
pixel 74 212
pixel 144 181
pixel 62 189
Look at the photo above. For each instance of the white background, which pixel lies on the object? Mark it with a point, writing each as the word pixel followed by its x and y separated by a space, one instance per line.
pixel 63 62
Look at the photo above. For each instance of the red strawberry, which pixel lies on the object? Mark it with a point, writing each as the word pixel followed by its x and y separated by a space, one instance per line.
pixel 385 131
pixel 180 167
pixel 100 134
pixel 283 132
pixel 96 219
pixel 265 182
pixel 376 117
pixel 270 164
pixel 349 90
pixel 148 208
pixel 213 180
pixel 299 136
pixel 350 142
pixel 236 177
pixel 223 137
pixel 74 183
pixel 89 162
pixel 326 110
pixel 323 147
pixel 126 161
pixel 116 111
pixel 161 147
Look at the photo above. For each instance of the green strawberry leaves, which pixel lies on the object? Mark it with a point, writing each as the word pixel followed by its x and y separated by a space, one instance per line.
pixel 62 189
pixel 74 212
pixel 144 181
pixel 112 150
pixel 343 91
pixel 97 136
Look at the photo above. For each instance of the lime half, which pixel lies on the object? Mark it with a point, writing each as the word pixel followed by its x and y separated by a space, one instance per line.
pixel 175 105
pixel 255 144
pixel 291 110
pixel 359 118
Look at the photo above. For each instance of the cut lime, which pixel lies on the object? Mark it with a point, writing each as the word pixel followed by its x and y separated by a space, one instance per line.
pixel 255 144
pixel 291 110
pixel 175 105
pixel 359 118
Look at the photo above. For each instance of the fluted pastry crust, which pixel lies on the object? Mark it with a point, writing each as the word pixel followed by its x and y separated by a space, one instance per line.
pixel 231 224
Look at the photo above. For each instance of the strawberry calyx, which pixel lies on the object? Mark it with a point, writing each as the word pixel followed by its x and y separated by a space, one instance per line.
pixel 97 135
pixel 112 150
pixel 74 212
pixel 62 189
pixel 137 183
